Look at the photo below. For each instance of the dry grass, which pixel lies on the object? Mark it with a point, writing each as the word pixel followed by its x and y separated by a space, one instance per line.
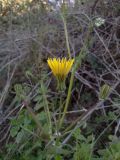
pixel 28 39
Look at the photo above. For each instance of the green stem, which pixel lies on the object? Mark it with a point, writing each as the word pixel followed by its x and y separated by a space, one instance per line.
pixel 47 109
pixel 77 63
pixel 60 110
pixel 67 100
pixel 66 35
pixel 80 57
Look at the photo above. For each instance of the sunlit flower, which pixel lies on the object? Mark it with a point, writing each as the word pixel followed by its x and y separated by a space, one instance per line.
pixel 60 67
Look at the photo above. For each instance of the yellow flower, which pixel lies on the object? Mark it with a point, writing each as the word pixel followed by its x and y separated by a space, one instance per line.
pixel 60 67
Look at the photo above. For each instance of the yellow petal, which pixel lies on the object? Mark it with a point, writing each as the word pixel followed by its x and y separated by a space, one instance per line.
pixel 60 67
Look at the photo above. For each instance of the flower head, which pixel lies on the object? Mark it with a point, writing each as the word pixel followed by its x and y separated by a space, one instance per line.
pixel 60 67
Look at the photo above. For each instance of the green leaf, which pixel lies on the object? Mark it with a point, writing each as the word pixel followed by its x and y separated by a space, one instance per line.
pixel 104 91
pixel 20 135
pixel 58 157
pixel 77 134
pixel 42 116
pixel 14 131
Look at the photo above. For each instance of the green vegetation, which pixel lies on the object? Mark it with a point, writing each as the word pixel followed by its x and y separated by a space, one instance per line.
pixel 80 119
